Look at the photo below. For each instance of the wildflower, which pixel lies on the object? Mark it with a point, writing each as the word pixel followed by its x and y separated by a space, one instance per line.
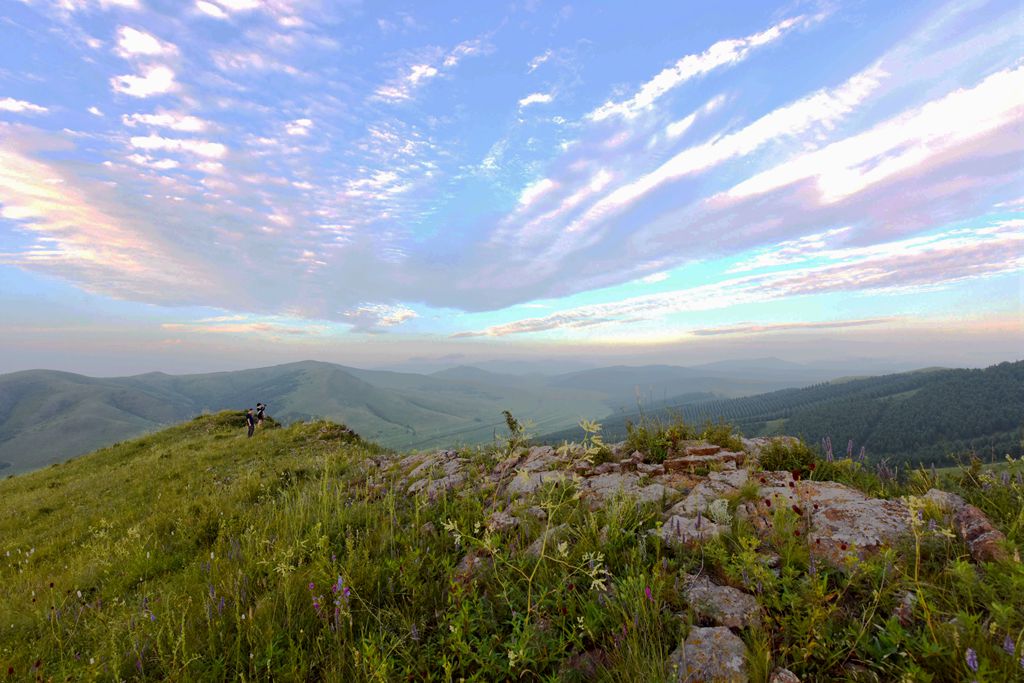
pixel 843 546
pixel 972 659
pixel 312 586
pixel 792 485
pixel 797 510
pixel 768 502
pixel 700 518
pixel 647 592
pixel 796 532
pixel 849 449
pixel 812 467
pixel 1008 645
pixel 763 480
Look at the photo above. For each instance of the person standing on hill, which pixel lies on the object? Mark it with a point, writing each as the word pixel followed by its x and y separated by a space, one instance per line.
pixel 250 421
pixel 260 409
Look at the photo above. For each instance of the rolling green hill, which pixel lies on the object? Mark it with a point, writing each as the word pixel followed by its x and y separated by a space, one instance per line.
pixel 920 416
pixel 50 416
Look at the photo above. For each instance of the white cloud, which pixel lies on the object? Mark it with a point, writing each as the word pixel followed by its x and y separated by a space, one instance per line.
pixel 149 162
pixel 240 5
pixel 172 120
pixel 654 278
pixel 420 72
pixel 538 60
pixel 210 167
pixel 722 53
pixel 823 108
pixel 901 143
pixel 133 42
pixel 210 150
pixel 155 80
pixel 211 9
pixel 368 317
pixel 299 127
pixel 535 98
pixel 21 106
pixel 95 111
pixel 897 267
pixel 532 192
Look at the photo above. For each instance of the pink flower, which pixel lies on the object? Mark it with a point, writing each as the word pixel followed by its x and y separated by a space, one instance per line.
pixel 647 592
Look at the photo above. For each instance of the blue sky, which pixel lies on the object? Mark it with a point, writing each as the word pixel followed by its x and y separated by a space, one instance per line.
pixel 220 183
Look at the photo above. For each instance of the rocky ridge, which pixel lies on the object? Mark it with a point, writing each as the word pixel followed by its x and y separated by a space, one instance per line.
pixel 693 488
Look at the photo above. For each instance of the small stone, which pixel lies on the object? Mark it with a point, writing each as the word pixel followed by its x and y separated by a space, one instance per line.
pixel 711 655
pixel 499 522
pixel 724 605
pixel 709 449
pixel 607 468
pixel 780 675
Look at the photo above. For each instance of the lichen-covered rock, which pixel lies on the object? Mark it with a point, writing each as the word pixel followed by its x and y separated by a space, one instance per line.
pixel 500 522
pixel 781 675
pixel 717 485
pixel 724 605
pixel 526 482
pixel 982 538
pixel 840 522
pixel 710 655
pixel 707 449
pixel 470 565
pixel 547 538
pixel 604 487
pixel 689 530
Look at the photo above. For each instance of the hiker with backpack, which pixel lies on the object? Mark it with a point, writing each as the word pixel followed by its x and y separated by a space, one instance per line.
pixel 260 409
pixel 250 421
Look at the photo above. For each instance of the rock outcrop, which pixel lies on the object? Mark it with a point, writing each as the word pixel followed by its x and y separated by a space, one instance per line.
pixel 710 655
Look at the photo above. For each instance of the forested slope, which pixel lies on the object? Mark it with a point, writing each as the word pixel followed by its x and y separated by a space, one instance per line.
pixel 919 416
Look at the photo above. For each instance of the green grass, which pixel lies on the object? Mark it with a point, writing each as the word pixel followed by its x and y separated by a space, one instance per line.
pixel 198 554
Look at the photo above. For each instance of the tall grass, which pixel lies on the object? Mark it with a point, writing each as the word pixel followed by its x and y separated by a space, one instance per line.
pixel 198 554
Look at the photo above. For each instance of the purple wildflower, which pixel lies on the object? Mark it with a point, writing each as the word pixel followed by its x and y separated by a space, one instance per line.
pixel 849 449
pixel 863 453
pixel 972 659
pixel 312 586
pixel 647 592
pixel 1008 645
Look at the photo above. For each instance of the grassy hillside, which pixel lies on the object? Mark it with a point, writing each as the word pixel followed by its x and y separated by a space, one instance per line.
pixel 47 417
pixel 920 416
pixel 197 554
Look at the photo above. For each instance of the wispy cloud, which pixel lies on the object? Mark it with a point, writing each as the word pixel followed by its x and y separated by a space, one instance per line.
pixel 21 106
pixel 895 267
pixel 751 328
pixel 371 317
pixel 173 120
pixel 535 98
pixel 203 148
pixel 723 53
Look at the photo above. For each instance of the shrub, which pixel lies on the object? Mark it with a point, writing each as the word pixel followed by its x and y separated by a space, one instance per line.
pixel 781 455
pixel 721 434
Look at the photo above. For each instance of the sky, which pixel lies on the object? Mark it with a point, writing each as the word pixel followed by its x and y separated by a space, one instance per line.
pixel 191 185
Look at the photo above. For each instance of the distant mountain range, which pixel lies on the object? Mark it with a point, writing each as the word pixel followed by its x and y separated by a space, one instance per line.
pixel 921 416
pixel 49 416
